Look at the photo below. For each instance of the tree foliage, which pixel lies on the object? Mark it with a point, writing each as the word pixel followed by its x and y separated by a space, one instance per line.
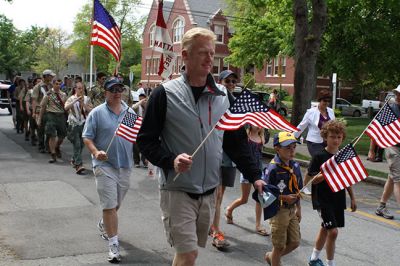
pixel 19 48
pixel 123 12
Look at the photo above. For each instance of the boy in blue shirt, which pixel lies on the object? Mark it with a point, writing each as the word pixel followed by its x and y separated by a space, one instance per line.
pixel 285 173
pixel 330 205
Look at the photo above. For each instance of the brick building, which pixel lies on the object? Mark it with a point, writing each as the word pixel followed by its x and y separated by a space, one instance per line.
pixel 182 15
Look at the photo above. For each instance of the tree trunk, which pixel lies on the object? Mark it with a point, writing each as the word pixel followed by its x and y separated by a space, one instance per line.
pixel 307 45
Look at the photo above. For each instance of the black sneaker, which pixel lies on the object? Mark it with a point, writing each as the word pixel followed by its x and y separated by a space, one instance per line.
pixel 384 212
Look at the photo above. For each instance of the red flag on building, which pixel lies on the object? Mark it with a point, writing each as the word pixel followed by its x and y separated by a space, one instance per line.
pixel 164 45
pixel 344 169
pixel 105 32
pixel 129 127
pixel 385 128
pixel 247 109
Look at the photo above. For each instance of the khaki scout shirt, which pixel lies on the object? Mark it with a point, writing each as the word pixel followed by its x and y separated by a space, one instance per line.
pixel 28 98
pixel 38 92
pixel 52 103
pixel 97 95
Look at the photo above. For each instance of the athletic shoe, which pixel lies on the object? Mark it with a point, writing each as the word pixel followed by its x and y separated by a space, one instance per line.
pixel 219 240
pixel 306 191
pixel 317 262
pixel 79 169
pixel 113 254
pixel 384 212
pixel 100 226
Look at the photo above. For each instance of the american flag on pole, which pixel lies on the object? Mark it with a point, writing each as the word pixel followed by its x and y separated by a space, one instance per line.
pixel 385 128
pixel 105 32
pixel 164 45
pixel 344 169
pixel 247 109
pixel 129 127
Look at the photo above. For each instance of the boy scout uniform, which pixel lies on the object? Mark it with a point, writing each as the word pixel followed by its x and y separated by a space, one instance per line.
pixel 97 95
pixel 55 113
pixel 38 92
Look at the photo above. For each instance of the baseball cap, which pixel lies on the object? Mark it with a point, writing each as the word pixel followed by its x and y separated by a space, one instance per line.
pixel 48 72
pixel 397 90
pixel 284 139
pixel 142 95
pixel 111 82
pixel 226 73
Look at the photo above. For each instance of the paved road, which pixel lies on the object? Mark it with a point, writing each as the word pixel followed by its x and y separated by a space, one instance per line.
pixel 48 216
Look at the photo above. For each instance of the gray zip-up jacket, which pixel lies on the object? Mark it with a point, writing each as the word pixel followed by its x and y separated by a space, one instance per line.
pixel 175 124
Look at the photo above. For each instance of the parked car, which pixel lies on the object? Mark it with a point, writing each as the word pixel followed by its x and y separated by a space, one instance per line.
pixel 263 96
pixel 5 101
pixel 349 109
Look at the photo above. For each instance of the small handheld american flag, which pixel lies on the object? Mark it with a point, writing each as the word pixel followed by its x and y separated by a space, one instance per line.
pixel 385 128
pixel 247 109
pixel 129 127
pixel 105 32
pixel 344 169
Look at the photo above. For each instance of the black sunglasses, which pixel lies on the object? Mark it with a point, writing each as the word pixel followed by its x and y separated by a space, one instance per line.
pixel 116 89
pixel 233 81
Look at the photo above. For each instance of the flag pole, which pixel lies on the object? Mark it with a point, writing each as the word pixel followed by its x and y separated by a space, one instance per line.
pixel 209 134
pixel 358 139
pixel 91 51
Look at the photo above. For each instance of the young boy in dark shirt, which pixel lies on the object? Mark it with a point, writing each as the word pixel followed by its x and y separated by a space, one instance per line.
pixel 330 205
pixel 284 173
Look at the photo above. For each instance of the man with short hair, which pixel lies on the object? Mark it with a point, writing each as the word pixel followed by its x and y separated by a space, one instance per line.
pixel 392 154
pixel 111 159
pixel 96 93
pixel 55 128
pixel 38 92
pixel 180 113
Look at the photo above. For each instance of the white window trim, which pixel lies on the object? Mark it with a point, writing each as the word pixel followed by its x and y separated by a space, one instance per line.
pixel 183 26
pixel 153 26
pixel 223 32
pixel 272 69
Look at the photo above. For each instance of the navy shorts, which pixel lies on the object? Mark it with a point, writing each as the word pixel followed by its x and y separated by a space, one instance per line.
pixel 331 217
pixel 228 175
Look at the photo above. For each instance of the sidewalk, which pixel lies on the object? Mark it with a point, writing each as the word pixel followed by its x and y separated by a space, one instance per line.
pixel 378 166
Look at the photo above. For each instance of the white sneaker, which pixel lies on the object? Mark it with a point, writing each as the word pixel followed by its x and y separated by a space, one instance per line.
pixel 113 254
pixel 100 226
pixel 306 191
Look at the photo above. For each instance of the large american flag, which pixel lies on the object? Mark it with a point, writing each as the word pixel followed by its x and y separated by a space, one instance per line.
pixel 129 127
pixel 247 109
pixel 105 32
pixel 343 169
pixel 385 128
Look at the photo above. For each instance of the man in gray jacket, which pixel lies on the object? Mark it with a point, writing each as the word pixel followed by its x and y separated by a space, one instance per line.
pixel 180 113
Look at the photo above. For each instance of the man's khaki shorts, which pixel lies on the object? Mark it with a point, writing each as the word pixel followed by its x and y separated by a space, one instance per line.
pixel 392 155
pixel 186 220
pixel 285 228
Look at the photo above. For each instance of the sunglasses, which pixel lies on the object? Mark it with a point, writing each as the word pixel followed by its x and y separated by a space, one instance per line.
pixel 233 81
pixel 326 100
pixel 116 89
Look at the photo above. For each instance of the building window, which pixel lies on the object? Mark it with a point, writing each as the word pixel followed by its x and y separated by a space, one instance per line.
pixel 178 29
pixel 219 31
pixel 147 66
pixel 269 69
pixel 216 66
pixel 225 66
pixel 178 65
pixel 152 32
pixel 280 66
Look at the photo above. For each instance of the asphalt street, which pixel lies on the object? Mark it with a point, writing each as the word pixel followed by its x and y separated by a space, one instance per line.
pixel 48 216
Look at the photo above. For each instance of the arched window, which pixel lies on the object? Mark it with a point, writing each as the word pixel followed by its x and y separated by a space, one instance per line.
pixel 152 31
pixel 178 29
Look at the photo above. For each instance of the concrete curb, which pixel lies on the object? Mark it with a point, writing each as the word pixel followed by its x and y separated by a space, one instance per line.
pixel 371 179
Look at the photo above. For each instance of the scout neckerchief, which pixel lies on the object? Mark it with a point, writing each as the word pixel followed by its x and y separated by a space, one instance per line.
pixel 293 179
pixel 58 100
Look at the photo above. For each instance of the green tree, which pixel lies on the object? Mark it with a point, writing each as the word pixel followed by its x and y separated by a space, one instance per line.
pixel 265 28
pixel 123 12
pixel 361 44
pixel 54 52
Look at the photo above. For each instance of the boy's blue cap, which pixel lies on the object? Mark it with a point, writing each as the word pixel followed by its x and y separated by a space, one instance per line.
pixel 272 209
pixel 284 139
pixel 226 73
